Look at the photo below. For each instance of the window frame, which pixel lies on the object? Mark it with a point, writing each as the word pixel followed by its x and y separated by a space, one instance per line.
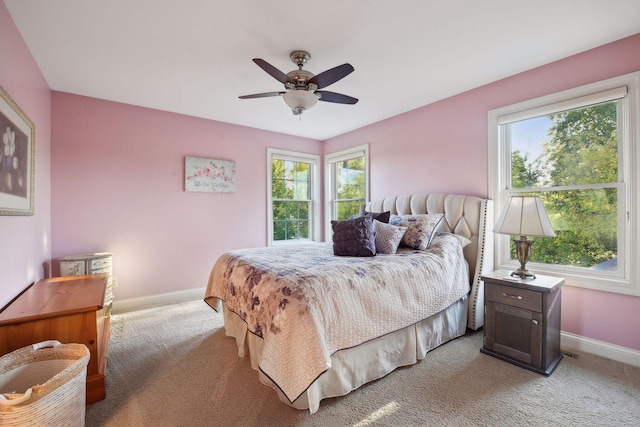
pixel 330 181
pixel 499 161
pixel 314 161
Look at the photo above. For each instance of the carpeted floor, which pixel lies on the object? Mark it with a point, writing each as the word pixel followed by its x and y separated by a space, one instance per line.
pixel 173 366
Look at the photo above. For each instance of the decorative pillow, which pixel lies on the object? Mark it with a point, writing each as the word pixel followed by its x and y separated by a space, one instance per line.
pixel 354 237
pixel 463 240
pixel 420 228
pixel 380 216
pixel 388 237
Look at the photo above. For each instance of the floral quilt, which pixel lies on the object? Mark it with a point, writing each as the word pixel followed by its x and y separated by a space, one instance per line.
pixel 306 303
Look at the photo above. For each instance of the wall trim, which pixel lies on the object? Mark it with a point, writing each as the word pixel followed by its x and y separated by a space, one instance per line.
pixel 600 348
pixel 141 303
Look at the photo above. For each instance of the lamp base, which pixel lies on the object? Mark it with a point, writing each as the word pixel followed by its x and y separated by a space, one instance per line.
pixel 523 250
pixel 523 274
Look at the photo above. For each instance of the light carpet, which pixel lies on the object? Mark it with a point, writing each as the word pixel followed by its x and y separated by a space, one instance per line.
pixel 174 366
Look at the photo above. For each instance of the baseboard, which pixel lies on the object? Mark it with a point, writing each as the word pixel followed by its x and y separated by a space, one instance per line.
pixel 600 348
pixel 132 304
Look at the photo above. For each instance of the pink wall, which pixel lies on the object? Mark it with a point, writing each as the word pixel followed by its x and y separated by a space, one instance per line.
pixel 117 177
pixel 442 147
pixel 25 241
pixel 118 186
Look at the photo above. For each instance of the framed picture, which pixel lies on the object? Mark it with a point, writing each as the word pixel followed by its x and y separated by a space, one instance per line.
pixel 17 158
pixel 209 175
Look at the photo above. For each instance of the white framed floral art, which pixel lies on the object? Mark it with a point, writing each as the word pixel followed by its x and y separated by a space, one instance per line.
pixel 17 158
pixel 209 175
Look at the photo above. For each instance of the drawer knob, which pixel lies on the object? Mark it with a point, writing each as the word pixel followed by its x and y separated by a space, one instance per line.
pixel 504 294
pixel 535 322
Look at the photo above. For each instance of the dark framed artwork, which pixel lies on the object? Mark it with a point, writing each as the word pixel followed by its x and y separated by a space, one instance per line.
pixel 17 158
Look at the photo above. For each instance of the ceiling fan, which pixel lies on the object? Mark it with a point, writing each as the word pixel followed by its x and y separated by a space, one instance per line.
pixel 302 87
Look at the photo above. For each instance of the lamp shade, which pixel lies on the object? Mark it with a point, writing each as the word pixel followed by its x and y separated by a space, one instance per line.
pixel 300 99
pixel 524 216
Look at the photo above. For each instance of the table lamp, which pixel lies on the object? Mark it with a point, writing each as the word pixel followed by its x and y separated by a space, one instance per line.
pixel 524 217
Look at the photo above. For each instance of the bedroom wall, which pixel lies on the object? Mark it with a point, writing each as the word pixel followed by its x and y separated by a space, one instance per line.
pixel 443 147
pixel 118 186
pixel 25 241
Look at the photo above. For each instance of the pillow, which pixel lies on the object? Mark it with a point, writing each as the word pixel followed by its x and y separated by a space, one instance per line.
pixel 354 237
pixel 420 228
pixel 463 240
pixel 380 216
pixel 388 237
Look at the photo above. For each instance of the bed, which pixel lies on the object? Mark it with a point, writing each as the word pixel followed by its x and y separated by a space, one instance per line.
pixel 316 325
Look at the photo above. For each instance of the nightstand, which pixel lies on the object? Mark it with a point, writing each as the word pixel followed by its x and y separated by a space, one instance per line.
pixel 522 320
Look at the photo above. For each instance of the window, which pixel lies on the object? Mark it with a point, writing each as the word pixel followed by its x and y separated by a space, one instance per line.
pixel 574 150
pixel 293 193
pixel 346 183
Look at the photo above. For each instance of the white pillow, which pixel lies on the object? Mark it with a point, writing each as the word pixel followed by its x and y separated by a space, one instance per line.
pixel 388 237
pixel 463 240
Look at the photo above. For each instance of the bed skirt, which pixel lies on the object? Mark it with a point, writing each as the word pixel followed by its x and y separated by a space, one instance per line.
pixel 351 368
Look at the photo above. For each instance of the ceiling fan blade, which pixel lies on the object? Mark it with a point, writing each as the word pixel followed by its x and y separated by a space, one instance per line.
pixel 331 76
pixel 272 71
pixel 338 98
pixel 261 95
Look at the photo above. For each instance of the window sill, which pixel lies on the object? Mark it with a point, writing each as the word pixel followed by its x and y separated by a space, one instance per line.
pixel 588 279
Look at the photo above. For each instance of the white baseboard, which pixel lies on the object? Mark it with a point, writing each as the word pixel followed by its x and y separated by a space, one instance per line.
pixel 132 304
pixel 600 348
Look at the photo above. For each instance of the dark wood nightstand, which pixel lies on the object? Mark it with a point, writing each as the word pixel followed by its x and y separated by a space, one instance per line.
pixel 522 320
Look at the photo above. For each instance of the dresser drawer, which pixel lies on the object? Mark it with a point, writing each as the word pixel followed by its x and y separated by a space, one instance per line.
pixel 522 298
pixel 101 270
pixel 72 268
pixel 100 263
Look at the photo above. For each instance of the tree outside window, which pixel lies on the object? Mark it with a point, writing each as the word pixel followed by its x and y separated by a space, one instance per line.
pixel 570 159
pixel 350 187
pixel 291 199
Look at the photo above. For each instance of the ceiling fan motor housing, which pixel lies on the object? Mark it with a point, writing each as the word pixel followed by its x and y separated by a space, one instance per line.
pixel 301 77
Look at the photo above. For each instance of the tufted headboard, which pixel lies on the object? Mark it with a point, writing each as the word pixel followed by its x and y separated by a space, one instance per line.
pixel 463 215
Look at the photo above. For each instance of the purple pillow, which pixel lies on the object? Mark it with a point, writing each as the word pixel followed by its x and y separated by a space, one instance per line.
pixel 380 216
pixel 354 237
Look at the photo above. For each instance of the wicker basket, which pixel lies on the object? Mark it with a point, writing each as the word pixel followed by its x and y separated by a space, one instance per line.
pixel 44 385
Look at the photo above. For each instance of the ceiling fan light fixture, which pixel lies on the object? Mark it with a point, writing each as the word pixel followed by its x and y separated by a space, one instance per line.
pixel 300 100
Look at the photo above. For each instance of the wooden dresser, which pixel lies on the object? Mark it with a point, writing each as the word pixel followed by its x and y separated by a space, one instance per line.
pixel 67 309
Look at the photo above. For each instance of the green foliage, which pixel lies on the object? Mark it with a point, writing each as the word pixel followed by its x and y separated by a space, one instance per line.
pixel 524 174
pixel 582 150
pixel 291 194
pixel 584 146
pixel 350 187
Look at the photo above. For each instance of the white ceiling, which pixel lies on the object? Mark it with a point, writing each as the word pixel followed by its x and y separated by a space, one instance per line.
pixel 194 56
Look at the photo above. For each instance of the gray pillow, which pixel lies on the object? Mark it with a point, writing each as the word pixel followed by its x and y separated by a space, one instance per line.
pixel 354 237
pixel 388 237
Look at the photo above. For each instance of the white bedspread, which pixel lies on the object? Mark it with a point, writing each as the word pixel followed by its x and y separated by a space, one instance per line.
pixel 307 303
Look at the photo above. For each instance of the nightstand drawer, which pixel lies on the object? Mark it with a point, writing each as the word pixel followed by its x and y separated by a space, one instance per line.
pixel 528 300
